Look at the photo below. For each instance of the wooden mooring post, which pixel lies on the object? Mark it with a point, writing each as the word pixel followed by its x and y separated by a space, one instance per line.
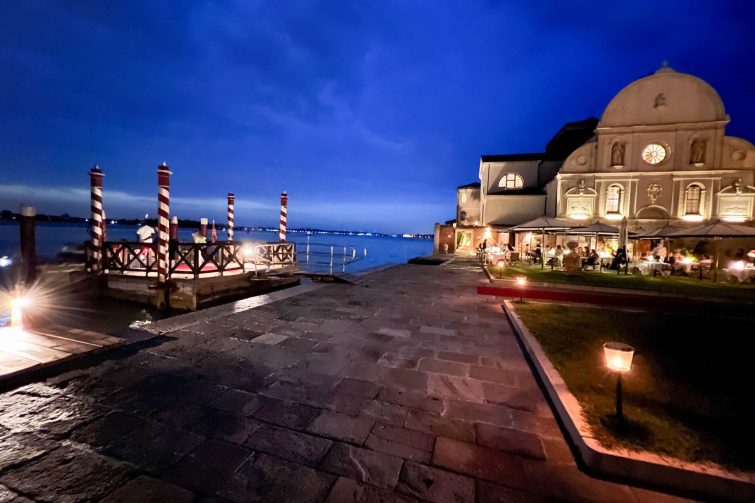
pixel 28 246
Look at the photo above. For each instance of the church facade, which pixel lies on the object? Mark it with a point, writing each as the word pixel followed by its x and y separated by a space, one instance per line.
pixel 659 155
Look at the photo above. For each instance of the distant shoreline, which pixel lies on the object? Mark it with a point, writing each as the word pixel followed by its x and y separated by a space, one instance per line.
pixel 9 218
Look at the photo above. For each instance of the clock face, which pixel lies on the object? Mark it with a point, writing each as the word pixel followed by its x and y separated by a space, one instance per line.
pixel 654 153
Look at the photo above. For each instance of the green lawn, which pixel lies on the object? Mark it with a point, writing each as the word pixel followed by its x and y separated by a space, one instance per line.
pixel 689 393
pixel 675 284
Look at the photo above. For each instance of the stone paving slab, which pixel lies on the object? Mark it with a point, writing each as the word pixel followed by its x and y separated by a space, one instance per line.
pixel 407 387
pixel 25 350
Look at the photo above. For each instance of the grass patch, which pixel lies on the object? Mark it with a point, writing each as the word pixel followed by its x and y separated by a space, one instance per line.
pixel 689 394
pixel 670 284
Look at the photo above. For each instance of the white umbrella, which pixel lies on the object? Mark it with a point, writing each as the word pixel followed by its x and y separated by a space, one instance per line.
pixel 543 224
pixel 623 233
pixel 715 231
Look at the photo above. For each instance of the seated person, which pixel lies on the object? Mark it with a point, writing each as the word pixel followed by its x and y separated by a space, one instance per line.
pixel 592 259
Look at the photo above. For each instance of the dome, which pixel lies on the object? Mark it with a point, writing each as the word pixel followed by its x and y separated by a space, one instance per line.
pixel 665 97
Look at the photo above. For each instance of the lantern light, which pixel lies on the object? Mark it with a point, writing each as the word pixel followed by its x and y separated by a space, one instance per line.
pixel 619 359
pixel 618 356
pixel 247 251
pixel 521 282
pixel 16 312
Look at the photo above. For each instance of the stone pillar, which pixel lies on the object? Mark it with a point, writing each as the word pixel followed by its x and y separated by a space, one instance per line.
pixel 173 229
pixel 96 224
pixel 163 214
pixel 28 246
pixel 231 205
pixel 436 239
pixel 284 210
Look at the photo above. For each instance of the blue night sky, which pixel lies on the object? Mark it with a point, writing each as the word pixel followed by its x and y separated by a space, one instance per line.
pixel 368 113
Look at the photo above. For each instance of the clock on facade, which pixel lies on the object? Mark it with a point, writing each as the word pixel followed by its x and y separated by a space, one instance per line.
pixel 654 153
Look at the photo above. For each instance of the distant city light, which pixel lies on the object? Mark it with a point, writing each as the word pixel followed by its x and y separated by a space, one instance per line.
pixel 5 261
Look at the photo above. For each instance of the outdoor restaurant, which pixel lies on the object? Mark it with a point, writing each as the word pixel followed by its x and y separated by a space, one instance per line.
pixel 716 250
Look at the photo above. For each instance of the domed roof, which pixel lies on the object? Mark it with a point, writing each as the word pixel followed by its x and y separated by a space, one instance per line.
pixel 665 97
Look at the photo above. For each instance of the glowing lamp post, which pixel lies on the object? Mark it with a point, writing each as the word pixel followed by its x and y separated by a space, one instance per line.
pixel 521 283
pixel 499 266
pixel 618 359
pixel 16 311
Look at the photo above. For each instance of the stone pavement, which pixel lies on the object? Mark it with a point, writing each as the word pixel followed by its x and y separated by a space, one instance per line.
pixel 409 387
pixel 25 350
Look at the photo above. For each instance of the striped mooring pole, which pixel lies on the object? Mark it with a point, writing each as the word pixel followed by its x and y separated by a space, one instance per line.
pixel 231 206
pixel 203 227
pixel 96 221
pixel 284 210
pixel 163 215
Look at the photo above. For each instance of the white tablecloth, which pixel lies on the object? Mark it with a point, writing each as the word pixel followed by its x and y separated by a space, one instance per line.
pixel 741 275
pixel 649 268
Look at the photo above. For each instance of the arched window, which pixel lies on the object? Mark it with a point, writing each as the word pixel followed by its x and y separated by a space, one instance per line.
pixel 613 199
pixel 511 181
pixel 692 199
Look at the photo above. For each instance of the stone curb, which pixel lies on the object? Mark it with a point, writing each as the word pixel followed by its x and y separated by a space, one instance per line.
pixel 621 291
pixel 44 370
pixel 184 320
pixel 686 478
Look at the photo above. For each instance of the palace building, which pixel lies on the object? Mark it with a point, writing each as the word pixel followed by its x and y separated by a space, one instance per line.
pixel 658 156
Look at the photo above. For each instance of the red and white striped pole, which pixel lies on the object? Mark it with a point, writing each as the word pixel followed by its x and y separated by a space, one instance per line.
pixel 163 214
pixel 96 225
pixel 231 207
pixel 284 210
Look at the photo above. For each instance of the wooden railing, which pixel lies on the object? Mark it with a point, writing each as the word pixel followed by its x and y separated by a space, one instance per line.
pixel 195 259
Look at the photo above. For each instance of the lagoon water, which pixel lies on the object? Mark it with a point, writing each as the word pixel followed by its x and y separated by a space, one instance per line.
pixel 380 250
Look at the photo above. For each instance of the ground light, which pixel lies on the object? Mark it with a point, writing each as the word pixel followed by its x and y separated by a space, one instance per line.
pixel 16 311
pixel 618 359
pixel 499 265
pixel 521 283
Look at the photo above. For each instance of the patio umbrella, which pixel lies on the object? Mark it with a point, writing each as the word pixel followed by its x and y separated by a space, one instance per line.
pixel 596 229
pixel 543 224
pixel 660 232
pixel 715 231
pixel 623 233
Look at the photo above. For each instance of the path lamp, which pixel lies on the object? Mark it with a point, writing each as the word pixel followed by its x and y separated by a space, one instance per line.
pixel 499 265
pixel 618 359
pixel 521 283
pixel 17 311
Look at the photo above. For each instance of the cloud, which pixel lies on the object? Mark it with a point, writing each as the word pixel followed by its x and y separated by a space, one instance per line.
pixel 118 204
